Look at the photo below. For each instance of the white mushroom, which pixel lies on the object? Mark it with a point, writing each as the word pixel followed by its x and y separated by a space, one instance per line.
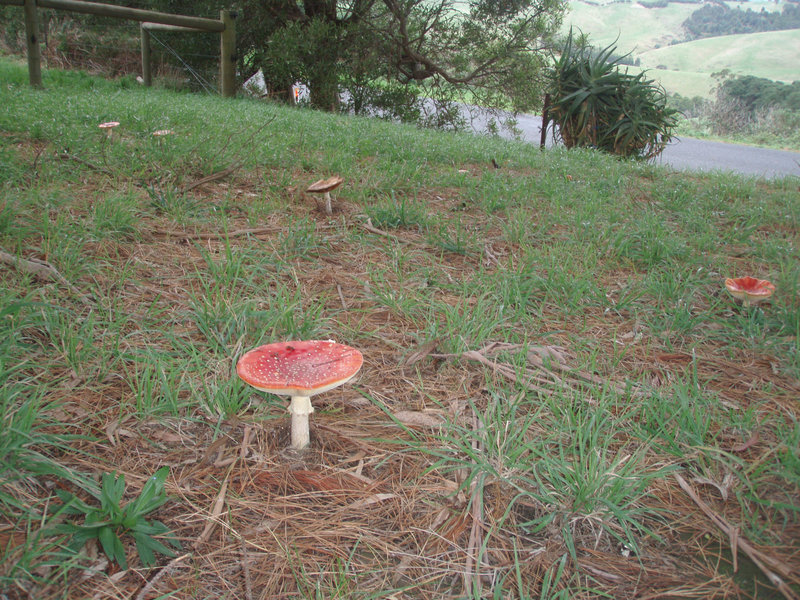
pixel 325 186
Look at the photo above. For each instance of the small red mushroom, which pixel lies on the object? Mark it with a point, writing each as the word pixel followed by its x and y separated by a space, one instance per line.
pixel 299 369
pixel 749 289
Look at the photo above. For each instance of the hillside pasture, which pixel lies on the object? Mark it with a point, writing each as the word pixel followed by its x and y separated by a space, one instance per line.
pixel 774 55
pixel 630 25
pixel 654 36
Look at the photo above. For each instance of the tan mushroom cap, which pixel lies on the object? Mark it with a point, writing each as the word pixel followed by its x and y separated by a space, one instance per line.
pixel 750 289
pixel 108 125
pixel 325 185
pixel 300 368
pixel 163 132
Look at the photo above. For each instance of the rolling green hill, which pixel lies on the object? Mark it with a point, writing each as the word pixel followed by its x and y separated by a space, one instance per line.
pixel 653 34
pixel 631 25
pixel 772 54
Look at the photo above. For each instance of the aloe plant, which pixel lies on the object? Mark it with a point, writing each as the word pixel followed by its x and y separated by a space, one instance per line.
pixel 594 103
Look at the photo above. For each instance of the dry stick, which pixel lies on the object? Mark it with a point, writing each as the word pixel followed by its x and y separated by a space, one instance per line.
pixel 213 177
pixel 159 574
pixel 216 511
pixel 248 584
pixel 553 365
pixel 43 269
pixel 476 508
pixel 341 296
pixel 85 163
pixel 372 229
pixel 502 369
pixel 204 235
pixel 763 561
pixel 185 235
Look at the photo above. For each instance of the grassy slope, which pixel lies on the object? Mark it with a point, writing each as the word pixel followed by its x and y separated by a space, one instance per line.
pixel 774 55
pixel 633 27
pixel 648 32
pixel 612 356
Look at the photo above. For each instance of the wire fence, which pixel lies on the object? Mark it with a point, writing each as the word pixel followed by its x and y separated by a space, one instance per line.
pixel 111 47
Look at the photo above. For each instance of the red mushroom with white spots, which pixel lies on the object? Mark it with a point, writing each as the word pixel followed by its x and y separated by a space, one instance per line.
pixel 299 369
pixel 749 289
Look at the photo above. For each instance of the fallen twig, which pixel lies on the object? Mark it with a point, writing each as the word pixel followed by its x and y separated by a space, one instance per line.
pixel 148 586
pixel 248 583
pixel 772 568
pixel 213 177
pixel 472 580
pixel 43 270
pixel 84 162
pixel 207 235
pixel 372 229
pixel 536 355
pixel 216 511
pixel 218 235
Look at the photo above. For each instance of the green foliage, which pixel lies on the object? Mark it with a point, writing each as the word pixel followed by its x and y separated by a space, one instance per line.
pixel 307 52
pixel 382 53
pixel 719 19
pixel 595 104
pixel 108 522
pixel 759 92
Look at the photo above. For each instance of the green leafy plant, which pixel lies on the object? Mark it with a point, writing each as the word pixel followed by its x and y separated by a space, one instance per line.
pixel 595 104
pixel 108 522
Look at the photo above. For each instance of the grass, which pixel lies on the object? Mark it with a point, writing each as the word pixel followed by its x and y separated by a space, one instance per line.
pixel 631 26
pixel 772 55
pixel 546 346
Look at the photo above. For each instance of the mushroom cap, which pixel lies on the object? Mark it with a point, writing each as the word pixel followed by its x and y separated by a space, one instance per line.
pixel 162 132
pixel 750 289
pixel 325 185
pixel 108 124
pixel 301 368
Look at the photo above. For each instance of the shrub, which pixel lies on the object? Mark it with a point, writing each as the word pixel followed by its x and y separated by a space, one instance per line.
pixel 595 104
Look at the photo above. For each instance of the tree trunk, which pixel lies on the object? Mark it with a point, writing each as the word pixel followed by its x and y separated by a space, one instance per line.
pixel 324 92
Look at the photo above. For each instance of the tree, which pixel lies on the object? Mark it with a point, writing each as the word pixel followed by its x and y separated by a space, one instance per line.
pixel 487 52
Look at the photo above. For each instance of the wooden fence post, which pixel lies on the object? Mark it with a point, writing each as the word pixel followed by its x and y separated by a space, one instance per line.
pixel 32 41
pixel 545 121
pixel 227 54
pixel 147 73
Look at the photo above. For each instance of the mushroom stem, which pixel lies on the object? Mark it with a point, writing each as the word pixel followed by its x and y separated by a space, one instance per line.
pixel 300 407
pixel 328 208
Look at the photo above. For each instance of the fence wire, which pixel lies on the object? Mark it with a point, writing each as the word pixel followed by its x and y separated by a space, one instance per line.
pixel 111 46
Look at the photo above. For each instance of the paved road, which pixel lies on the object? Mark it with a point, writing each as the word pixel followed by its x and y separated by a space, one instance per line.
pixel 689 153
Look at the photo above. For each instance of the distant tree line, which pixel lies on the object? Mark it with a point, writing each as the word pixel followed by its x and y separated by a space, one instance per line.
pixel 665 3
pixel 755 93
pixel 718 19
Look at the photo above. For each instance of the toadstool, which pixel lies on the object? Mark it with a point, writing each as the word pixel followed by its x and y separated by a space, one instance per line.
pixel 108 127
pixel 325 186
pixel 749 289
pixel 300 370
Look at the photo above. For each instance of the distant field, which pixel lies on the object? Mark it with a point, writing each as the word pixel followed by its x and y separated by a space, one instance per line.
pixel 774 55
pixel 685 83
pixel 648 32
pixel 637 28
